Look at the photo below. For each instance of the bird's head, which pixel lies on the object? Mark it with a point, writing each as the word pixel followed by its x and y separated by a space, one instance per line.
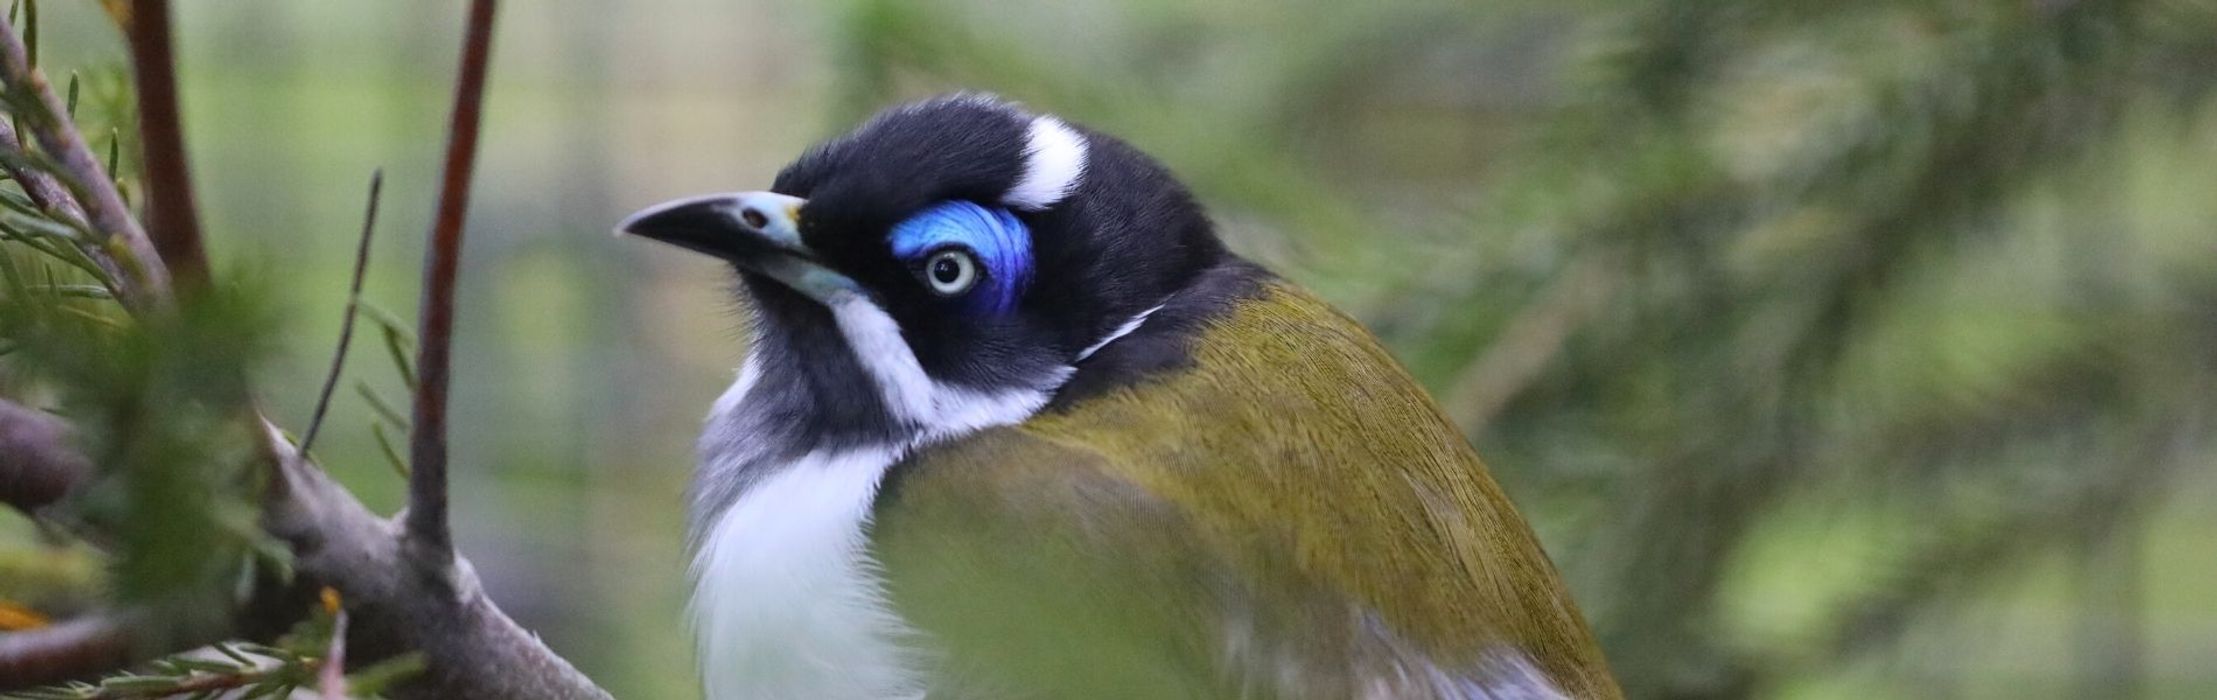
pixel 960 257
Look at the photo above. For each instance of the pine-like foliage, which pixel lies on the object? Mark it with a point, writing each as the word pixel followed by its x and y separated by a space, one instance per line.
pixel 164 544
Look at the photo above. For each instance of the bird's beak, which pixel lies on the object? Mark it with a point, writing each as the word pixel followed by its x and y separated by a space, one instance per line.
pixel 757 231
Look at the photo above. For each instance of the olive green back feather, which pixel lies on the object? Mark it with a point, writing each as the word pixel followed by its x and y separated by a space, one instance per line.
pixel 1292 511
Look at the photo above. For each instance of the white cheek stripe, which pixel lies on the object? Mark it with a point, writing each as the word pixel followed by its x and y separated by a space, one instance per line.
pixel 1054 161
pixel 942 411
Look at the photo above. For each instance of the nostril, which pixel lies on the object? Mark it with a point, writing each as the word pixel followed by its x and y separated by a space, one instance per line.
pixel 754 217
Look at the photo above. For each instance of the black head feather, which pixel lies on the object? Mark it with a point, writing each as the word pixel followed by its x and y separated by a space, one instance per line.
pixel 1123 239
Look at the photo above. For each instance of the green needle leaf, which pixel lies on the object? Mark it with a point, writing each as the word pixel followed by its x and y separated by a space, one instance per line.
pixel 392 454
pixel 378 404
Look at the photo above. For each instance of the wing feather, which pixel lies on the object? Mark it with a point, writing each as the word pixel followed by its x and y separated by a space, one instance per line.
pixel 1290 516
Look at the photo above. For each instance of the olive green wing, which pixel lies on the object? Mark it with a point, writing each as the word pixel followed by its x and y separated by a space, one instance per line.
pixel 1288 517
pixel 1031 575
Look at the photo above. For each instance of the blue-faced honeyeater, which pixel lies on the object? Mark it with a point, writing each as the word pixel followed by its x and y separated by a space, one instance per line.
pixel 1015 424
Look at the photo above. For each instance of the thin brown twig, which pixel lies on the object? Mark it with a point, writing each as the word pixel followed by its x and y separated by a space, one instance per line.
pixel 145 279
pixel 353 311
pixel 427 455
pixel 172 218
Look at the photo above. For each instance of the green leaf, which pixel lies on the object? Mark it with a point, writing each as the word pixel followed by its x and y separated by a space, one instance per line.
pixel 231 650
pixel 191 663
pixel 266 650
pixel 38 224
pixel 137 684
pixel 377 404
pixel 400 341
pixel 392 454
pixel 30 30
pixel 12 276
pixel 75 291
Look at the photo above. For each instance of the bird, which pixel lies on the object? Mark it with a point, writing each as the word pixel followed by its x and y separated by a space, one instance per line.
pixel 1014 422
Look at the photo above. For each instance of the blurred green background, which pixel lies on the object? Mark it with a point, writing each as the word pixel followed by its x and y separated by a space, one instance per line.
pixel 1835 349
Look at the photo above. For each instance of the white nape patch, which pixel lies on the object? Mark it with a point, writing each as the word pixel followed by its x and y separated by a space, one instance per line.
pixel 787 604
pixel 941 410
pixel 1054 160
pixel 1121 331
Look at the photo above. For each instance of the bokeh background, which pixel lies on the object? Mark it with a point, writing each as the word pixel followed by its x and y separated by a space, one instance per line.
pixel 1836 350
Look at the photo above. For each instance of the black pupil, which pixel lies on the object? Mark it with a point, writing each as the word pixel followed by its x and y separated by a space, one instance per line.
pixel 945 270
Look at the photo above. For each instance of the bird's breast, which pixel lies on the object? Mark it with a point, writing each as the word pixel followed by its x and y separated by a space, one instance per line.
pixel 786 603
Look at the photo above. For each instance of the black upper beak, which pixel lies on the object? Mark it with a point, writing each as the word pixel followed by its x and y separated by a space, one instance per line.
pixel 758 231
pixel 738 227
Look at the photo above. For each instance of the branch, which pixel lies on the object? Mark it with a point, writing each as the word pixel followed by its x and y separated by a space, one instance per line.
pixel 170 212
pixel 402 600
pixel 427 454
pixel 49 196
pixel 353 309
pixel 399 601
pixel 38 465
pixel 72 649
pixel 145 280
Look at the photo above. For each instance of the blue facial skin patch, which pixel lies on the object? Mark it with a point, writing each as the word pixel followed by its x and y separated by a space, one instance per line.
pixel 1002 244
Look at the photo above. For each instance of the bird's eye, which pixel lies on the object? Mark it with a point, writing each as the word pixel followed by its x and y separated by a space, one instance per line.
pixel 950 272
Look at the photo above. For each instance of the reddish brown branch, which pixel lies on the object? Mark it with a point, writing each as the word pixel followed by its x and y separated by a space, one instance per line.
pixel 427 480
pixel 38 464
pixel 145 280
pixel 171 215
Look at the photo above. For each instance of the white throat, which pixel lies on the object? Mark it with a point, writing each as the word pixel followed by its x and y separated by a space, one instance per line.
pixel 785 603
